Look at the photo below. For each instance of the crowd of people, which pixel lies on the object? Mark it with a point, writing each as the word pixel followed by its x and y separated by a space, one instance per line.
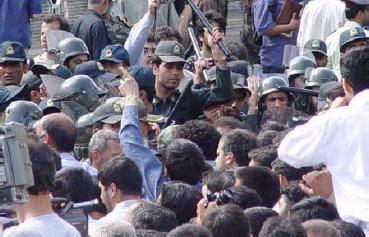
pixel 153 136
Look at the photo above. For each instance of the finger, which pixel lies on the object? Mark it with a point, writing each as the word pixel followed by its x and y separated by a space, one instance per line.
pixel 306 190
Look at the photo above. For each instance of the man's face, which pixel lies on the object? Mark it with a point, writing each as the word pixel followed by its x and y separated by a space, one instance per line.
pixel 355 44
pixel 299 82
pixel 112 67
pixel 149 49
pixel 44 28
pixel 169 74
pixel 233 108
pixel 320 59
pixel 105 197
pixel 112 127
pixel 75 60
pixel 220 164
pixel 11 72
pixel 207 35
pixel 276 99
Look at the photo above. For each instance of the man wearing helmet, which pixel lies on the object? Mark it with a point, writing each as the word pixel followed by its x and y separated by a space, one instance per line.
pixel 73 51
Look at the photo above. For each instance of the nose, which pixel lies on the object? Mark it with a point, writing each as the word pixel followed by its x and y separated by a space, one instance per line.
pixel 278 103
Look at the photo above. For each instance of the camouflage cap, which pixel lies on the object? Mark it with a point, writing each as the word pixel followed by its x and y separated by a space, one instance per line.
pixel 316 46
pixel 350 35
pixel 170 51
pixel 166 136
pixel 115 53
pixel 12 51
pixel 85 120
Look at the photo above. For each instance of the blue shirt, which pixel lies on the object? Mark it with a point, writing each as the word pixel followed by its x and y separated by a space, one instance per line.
pixel 271 51
pixel 133 146
pixel 14 20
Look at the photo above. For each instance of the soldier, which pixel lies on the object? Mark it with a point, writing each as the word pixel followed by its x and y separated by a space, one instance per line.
pixel 24 112
pixel 73 51
pixel 114 56
pixel 352 38
pixel 319 50
pixel 13 63
pixel 48 106
pixel 32 83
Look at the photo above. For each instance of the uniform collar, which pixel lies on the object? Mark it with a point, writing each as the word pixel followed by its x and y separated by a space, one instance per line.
pixel 172 98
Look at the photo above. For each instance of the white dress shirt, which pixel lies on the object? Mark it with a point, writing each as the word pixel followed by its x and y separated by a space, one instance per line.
pixel 338 138
pixel 68 161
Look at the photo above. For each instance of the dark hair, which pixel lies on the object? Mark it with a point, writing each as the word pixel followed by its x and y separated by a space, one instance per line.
pixel 43 167
pixel 282 227
pixel 230 123
pixel 203 134
pixel 212 16
pixel 348 229
pixel 263 156
pixel 124 173
pixel 217 181
pixel 76 184
pixel 239 142
pixel 257 216
pixel 63 22
pixel 63 133
pixel 166 33
pixel 263 180
pixel 181 198
pixel 238 50
pixel 184 161
pixel 244 197
pixel 289 172
pixel 150 233
pixel 227 220
pixel 266 137
pixel 155 59
pixel 335 92
pixel 352 9
pixel 314 208
pixel 190 230
pixel 153 217
pixel 293 192
pixel 355 68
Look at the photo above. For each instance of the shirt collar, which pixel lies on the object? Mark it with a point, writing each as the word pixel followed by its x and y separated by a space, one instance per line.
pixel 66 156
pixel 172 98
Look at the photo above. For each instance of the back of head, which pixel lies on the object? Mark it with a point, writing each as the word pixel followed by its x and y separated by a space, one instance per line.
pixel 355 68
pixel 150 233
pixel 181 198
pixel 244 197
pixel 239 142
pixel 348 229
pixel 217 181
pixel 166 33
pixel 289 172
pixel 190 230
pixel 76 184
pixel 263 156
pixel 43 168
pixel 257 216
pixel 225 124
pixel 116 229
pixel 227 220
pixel 184 161
pixel 314 208
pixel 353 9
pixel 320 228
pixel 124 173
pixel 63 22
pixel 203 134
pixel 282 227
pixel 263 180
pixel 153 217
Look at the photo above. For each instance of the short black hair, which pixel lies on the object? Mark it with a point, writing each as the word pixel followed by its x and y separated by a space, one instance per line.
pixel 181 198
pixel 212 16
pixel 43 168
pixel 266 137
pixel 314 208
pixel 348 229
pixel 124 173
pixel 355 68
pixel 352 9
pixel 279 226
pixel 289 172
pixel 190 230
pixel 150 233
pixel 217 181
pixel 63 22
pixel 153 217
pixel 293 191
pixel 238 50
pixel 263 156
pixel 166 33
pixel 184 161
pixel 202 133
pixel 239 142
pixel 230 123
pixel 244 197
pixel 227 220
pixel 76 184
pixel 257 216
pixel 263 180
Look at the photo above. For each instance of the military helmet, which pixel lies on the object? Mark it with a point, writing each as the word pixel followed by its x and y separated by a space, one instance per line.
pixel 299 64
pixel 71 47
pixel 319 76
pixel 80 89
pixel 24 112
pixel 272 84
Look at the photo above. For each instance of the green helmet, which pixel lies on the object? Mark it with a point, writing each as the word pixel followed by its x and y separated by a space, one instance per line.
pixel 271 84
pixel 71 47
pixel 299 64
pixel 80 89
pixel 319 76
pixel 24 112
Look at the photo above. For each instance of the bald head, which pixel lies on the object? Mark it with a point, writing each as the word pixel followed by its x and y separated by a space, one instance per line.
pixel 58 131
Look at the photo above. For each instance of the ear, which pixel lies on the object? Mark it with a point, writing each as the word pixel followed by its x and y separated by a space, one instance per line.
pixel 25 68
pixel 95 161
pixel 347 88
pixel 282 180
pixel 35 95
pixel 142 95
pixel 230 159
pixel 48 139
pixel 114 190
pixel 155 69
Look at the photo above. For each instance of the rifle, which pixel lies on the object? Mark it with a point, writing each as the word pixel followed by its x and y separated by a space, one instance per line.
pixel 299 90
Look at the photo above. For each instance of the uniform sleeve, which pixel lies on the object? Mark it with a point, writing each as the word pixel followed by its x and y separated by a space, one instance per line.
pixel 35 7
pixel 263 18
pixel 306 145
pixel 98 39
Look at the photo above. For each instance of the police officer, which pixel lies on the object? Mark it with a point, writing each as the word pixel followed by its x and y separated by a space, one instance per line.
pixel 113 57
pixel 73 51
pixel 351 38
pixel 297 69
pixel 319 49
pixel 13 63
pixel 24 112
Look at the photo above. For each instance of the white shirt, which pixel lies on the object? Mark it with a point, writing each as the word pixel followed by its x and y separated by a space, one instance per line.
pixel 43 226
pixel 339 139
pixel 68 161
pixel 319 19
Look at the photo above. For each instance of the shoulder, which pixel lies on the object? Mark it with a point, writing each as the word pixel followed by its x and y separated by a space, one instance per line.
pixel 22 231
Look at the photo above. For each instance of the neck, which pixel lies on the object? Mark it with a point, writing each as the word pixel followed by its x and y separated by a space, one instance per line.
pixel 122 198
pixel 95 8
pixel 206 52
pixel 37 205
pixel 358 20
pixel 162 92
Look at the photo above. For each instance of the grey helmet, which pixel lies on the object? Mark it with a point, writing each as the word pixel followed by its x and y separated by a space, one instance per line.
pixel 23 112
pixel 299 65
pixel 71 47
pixel 319 76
